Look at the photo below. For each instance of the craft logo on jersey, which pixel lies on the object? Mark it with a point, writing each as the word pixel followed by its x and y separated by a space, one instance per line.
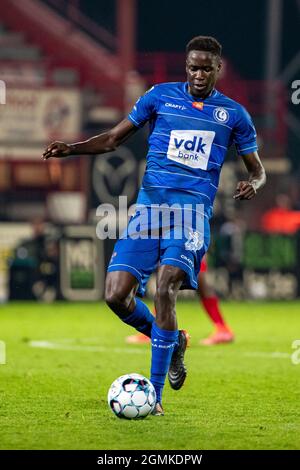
pixel 175 106
pixel 190 147
pixel 198 105
pixel 221 115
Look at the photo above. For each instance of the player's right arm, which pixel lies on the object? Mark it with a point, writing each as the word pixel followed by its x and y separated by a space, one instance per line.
pixel 105 142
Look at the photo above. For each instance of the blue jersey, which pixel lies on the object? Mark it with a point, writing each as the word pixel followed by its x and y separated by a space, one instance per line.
pixel 188 141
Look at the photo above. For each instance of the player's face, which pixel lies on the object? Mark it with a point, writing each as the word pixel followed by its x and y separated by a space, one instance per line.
pixel 202 70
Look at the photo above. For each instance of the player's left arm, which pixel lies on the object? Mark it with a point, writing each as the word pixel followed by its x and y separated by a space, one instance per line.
pixel 257 177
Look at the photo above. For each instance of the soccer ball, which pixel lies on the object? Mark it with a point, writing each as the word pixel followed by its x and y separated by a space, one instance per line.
pixel 131 396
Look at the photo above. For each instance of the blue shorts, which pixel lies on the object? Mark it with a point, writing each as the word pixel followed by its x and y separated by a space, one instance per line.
pixel 141 256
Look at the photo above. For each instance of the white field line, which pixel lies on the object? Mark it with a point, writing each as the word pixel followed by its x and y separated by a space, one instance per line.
pixel 73 347
pixel 271 355
pixel 69 344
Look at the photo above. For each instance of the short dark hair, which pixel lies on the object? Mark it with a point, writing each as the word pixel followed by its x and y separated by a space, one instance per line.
pixel 204 43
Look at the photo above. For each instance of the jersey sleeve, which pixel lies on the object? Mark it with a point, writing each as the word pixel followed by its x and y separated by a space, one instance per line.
pixel 244 133
pixel 143 109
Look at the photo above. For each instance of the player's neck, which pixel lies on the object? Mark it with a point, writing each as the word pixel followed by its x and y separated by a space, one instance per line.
pixel 199 97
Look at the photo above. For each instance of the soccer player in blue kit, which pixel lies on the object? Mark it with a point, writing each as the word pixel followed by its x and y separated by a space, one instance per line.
pixel 191 127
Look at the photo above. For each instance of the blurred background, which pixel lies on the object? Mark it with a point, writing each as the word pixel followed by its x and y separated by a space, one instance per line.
pixel 72 68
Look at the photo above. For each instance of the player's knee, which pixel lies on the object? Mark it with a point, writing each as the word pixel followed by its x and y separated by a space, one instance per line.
pixel 165 292
pixel 114 298
pixel 117 299
pixel 165 298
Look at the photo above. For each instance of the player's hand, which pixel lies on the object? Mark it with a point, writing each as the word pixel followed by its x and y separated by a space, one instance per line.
pixel 244 190
pixel 57 150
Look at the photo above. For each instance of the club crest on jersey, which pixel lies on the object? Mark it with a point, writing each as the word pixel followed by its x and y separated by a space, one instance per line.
pixel 190 147
pixel 198 105
pixel 221 115
pixel 194 242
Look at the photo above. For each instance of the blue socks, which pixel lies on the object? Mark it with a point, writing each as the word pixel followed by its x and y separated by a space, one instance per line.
pixel 141 318
pixel 163 344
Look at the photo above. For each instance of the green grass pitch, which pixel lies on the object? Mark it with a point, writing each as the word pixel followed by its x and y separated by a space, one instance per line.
pixel 239 396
